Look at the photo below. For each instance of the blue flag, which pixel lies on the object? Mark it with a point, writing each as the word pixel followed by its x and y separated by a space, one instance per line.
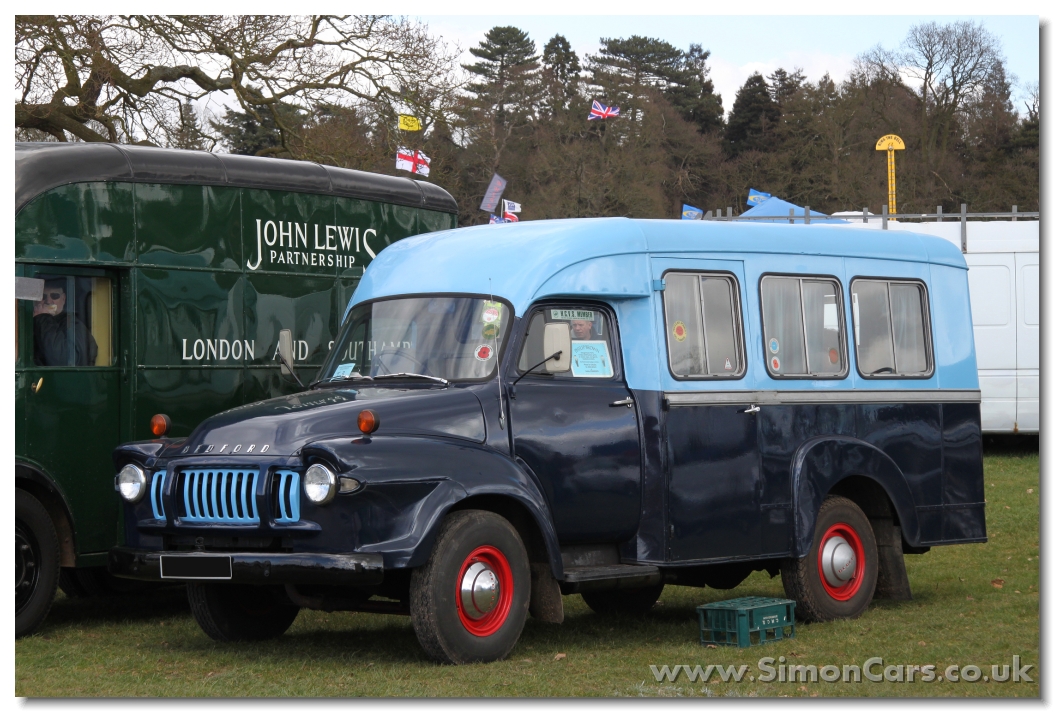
pixel 690 213
pixel 756 197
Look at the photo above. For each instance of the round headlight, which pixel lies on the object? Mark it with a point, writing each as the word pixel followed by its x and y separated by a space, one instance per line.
pixel 131 483
pixel 320 484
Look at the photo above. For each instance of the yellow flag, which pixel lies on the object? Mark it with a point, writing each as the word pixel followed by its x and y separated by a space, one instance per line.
pixel 409 123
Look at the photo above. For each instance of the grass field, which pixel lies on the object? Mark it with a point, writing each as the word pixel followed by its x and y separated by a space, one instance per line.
pixel 152 647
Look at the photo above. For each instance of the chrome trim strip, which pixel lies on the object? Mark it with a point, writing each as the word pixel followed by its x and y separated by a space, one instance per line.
pixel 745 397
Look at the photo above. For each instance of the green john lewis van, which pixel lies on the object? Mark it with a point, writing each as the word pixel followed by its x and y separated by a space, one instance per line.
pixel 152 281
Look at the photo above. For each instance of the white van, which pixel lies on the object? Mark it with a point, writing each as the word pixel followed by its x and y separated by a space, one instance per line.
pixel 1003 256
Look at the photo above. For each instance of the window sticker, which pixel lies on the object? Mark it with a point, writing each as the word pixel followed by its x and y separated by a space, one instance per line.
pixel 490 331
pixel 830 317
pixel 679 331
pixel 774 346
pixel 775 361
pixel 833 355
pixel 573 314
pixel 343 370
pixel 491 313
pixel 590 359
pixel 728 364
pixel 484 353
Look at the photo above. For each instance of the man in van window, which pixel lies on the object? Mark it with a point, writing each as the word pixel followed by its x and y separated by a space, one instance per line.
pixel 581 329
pixel 51 331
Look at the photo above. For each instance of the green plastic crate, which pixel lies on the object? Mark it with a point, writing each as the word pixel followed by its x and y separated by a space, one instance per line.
pixel 751 620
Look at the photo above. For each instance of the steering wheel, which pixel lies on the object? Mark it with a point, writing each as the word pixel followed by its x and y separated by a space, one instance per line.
pixel 398 351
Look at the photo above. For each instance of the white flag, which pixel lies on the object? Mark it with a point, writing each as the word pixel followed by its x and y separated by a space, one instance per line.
pixel 511 207
pixel 413 161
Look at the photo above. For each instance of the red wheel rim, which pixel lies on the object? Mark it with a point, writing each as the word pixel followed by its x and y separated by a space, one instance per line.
pixel 850 587
pixel 492 621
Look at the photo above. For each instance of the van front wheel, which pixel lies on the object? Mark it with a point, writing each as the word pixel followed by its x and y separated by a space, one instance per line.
pixel 36 563
pixel 232 613
pixel 837 578
pixel 468 603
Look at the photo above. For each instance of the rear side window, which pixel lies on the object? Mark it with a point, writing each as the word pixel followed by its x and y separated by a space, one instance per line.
pixel 890 328
pixel 803 327
pixel 703 334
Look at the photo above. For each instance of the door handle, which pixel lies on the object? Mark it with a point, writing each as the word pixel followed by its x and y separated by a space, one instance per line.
pixel 37 386
pixel 628 402
pixel 752 409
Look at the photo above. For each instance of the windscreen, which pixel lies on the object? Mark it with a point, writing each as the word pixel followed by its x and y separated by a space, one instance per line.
pixel 456 338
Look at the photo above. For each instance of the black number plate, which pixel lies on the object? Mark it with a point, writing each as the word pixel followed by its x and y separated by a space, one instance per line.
pixel 195 567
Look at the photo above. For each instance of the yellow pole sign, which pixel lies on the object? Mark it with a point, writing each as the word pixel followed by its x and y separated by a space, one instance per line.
pixel 890 143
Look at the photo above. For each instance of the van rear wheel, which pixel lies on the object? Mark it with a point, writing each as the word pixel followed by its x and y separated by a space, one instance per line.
pixel 837 578
pixel 232 613
pixel 623 600
pixel 36 563
pixel 468 603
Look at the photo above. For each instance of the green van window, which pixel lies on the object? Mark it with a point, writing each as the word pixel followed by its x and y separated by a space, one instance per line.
pixel 72 323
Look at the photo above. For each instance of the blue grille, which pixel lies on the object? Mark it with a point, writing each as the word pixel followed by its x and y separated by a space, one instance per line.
pixel 287 494
pixel 157 487
pixel 220 496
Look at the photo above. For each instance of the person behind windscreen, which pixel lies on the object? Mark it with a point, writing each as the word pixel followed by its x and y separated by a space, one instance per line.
pixel 51 331
pixel 581 329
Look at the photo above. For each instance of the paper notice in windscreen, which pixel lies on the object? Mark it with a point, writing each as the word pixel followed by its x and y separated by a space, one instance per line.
pixel 590 359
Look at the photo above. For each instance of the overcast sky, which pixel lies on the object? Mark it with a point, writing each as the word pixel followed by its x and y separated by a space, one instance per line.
pixel 742 45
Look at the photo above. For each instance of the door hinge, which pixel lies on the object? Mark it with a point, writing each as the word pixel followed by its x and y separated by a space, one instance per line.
pixel 658 285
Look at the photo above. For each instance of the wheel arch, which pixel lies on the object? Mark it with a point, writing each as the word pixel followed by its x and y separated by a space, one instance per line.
pixel 855 470
pixel 35 481
pixel 537 534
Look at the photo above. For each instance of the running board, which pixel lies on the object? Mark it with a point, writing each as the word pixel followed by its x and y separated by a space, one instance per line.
pixel 579 574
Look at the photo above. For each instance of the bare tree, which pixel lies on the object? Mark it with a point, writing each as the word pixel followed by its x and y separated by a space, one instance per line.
pixel 125 78
pixel 947 66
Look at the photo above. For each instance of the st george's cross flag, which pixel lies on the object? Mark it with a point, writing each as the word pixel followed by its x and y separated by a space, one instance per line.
pixel 599 111
pixel 413 161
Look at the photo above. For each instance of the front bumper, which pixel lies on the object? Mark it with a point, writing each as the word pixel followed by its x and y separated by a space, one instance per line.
pixel 253 568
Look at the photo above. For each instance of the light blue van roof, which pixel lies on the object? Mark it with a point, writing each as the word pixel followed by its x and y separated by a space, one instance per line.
pixel 607 257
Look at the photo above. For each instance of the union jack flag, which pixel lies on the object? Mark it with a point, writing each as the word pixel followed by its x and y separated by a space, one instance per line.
pixel 599 111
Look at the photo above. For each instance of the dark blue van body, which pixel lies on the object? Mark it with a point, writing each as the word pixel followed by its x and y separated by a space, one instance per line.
pixel 823 362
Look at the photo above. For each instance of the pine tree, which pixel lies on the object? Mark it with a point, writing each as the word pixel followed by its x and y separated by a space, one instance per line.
pixel 507 69
pixel 694 95
pixel 754 116
pixel 782 85
pixel 560 72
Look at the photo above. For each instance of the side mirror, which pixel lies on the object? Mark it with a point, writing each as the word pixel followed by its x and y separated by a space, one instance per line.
pixel 557 337
pixel 285 350
pixel 29 289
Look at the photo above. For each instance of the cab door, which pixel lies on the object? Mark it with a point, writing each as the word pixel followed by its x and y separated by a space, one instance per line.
pixel 577 431
pixel 72 385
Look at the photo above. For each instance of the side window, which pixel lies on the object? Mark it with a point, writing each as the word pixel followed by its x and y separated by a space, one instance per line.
pixel 702 325
pixel 72 324
pixel 890 328
pixel 803 327
pixel 591 348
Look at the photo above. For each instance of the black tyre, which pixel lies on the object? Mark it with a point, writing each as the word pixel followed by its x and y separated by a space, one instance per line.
pixel 468 603
pixel 36 563
pixel 632 601
pixel 232 613
pixel 837 578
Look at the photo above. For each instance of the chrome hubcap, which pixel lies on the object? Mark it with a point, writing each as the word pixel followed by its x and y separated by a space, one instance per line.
pixel 479 590
pixel 838 561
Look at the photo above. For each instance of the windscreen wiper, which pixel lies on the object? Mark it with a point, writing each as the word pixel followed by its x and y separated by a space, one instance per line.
pixel 412 375
pixel 329 381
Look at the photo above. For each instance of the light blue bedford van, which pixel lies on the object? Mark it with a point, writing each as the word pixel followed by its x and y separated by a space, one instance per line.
pixel 516 412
